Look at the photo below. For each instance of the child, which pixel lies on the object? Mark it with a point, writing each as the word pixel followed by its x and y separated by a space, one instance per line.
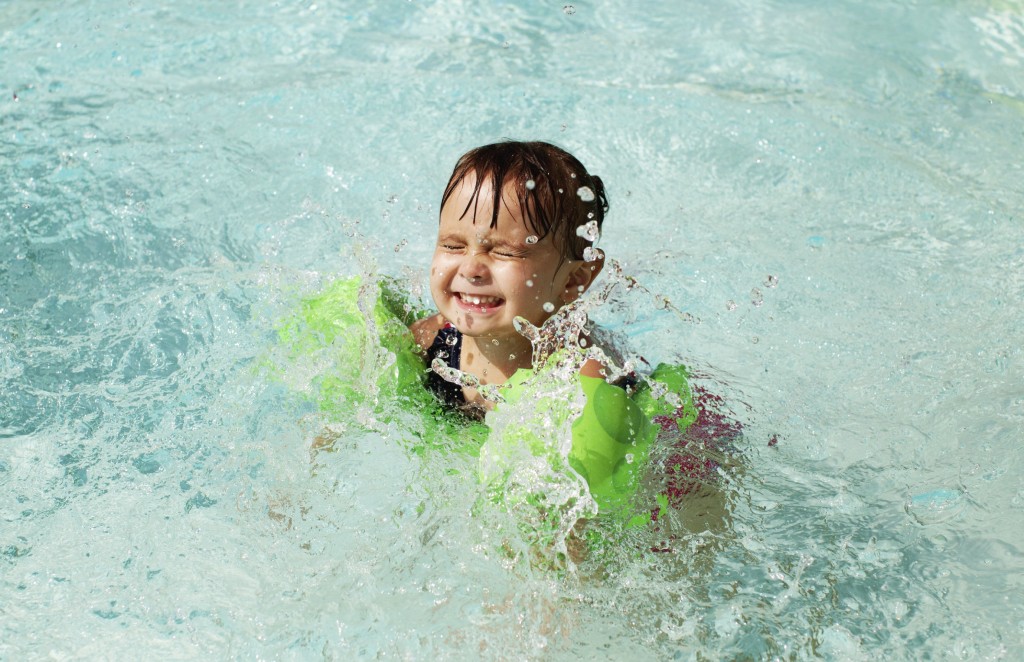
pixel 517 224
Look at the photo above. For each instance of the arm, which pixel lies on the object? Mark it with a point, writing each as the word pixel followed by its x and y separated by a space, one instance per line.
pixel 425 330
pixel 593 368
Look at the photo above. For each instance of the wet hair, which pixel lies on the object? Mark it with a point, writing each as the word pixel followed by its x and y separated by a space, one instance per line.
pixel 562 197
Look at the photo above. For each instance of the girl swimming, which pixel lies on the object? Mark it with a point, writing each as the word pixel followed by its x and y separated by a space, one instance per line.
pixel 514 242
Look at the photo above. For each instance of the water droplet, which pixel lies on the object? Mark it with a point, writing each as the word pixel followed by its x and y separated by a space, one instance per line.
pixel 532 239
pixel 771 281
pixel 585 193
pixel 530 184
pixel 568 9
pixel 529 283
pixel 589 231
pixel 548 307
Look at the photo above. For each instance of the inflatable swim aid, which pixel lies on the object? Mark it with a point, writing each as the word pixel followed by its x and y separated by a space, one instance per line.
pixel 364 325
pixel 610 437
pixel 373 365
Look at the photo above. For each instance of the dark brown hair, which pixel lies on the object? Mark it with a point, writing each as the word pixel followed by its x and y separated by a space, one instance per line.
pixel 563 195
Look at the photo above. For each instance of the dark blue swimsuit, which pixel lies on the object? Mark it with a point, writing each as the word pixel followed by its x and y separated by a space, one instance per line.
pixel 447 346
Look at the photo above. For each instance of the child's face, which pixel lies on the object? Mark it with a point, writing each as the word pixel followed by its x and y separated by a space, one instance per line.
pixel 482 278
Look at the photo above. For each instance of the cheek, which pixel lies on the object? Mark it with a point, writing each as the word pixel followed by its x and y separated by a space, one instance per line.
pixel 517 278
pixel 439 267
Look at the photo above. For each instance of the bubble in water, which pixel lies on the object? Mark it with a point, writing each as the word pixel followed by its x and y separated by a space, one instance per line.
pixel 530 184
pixel 402 244
pixel 730 305
pixel 591 254
pixel 452 339
pixel 495 342
pixel 549 307
pixel 585 193
pixel 588 231
pixel 756 297
pixel 771 281
pixel 529 283
pixel 569 10
pixel 583 342
pixel 532 239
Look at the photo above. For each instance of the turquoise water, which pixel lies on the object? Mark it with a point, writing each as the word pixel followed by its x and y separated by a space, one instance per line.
pixel 831 191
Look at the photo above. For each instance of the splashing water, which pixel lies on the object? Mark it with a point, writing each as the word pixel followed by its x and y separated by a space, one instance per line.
pixel 589 231
pixel 524 461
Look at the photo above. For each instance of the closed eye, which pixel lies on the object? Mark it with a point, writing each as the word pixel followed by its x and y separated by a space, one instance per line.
pixel 510 253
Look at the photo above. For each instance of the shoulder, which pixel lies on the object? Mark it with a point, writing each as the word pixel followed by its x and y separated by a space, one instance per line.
pixel 593 368
pixel 425 330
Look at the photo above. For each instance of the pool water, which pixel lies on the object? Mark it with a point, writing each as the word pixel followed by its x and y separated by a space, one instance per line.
pixel 829 195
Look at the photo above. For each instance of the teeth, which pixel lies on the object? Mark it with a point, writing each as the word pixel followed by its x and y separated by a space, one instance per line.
pixel 477 300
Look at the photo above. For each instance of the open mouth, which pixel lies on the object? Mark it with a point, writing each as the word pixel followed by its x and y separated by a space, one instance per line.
pixel 478 303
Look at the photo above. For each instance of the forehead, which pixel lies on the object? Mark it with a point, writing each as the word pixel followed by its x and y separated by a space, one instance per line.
pixel 474 207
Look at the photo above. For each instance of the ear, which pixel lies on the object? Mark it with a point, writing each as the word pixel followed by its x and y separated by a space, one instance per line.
pixel 582 277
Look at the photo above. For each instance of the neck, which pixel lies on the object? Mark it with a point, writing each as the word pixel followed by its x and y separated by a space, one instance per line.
pixel 494 360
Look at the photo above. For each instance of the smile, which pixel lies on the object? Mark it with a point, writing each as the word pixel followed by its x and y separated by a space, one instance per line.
pixel 477 302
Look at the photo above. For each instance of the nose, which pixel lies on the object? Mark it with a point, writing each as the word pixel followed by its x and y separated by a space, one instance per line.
pixel 474 267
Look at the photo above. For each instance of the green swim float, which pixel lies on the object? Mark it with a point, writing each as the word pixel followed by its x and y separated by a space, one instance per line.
pixel 611 436
pixel 365 326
